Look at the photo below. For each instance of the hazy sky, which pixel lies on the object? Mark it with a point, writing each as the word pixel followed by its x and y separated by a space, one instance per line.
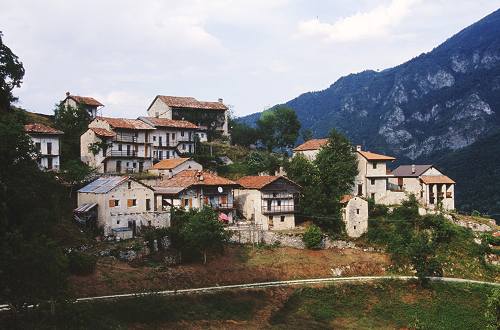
pixel 253 53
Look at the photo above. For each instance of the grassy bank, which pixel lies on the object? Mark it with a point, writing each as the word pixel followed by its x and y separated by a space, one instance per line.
pixel 383 305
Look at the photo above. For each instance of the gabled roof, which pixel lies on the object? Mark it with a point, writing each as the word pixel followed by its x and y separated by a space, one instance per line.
pixel 126 123
pixel 406 170
pixel 103 132
pixel 167 164
pixel 345 199
pixel 260 181
pixel 313 144
pixel 41 129
pixel 373 156
pixel 191 178
pixel 189 102
pixel 86 100
pixel 164 122
pixel 105 184
pixel 436 179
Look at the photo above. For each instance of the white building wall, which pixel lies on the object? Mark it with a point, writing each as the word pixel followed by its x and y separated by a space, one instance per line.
pixel 355 216
pixel 44 140
pixel 160 110
pixel 309 154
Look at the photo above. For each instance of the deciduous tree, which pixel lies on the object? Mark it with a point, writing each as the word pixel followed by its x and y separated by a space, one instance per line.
pixel 278 128
pixel 11 75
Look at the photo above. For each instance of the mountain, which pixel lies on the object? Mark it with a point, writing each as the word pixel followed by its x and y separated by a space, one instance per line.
pixel 440 101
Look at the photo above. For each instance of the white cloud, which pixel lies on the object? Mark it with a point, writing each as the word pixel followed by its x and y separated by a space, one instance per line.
pixel 362 25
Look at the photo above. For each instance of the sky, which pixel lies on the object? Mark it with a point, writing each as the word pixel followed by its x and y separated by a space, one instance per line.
pixel 253 54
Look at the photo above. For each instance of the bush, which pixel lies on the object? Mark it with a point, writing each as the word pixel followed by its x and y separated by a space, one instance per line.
pixel 313 237
pixel 476 213
pixel 81 263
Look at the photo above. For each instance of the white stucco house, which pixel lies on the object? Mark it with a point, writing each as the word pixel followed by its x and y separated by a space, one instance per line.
pixel 120 204
pixel 90 104
pixel 47 141
pixel 310 148
pixel 170 167
pixel 355 215
pixel 118 145
pixel 268 201
pixel 430 186
pixel 171 138
pixel 204 114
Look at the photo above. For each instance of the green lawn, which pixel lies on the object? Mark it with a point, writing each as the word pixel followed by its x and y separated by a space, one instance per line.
pixel 387 305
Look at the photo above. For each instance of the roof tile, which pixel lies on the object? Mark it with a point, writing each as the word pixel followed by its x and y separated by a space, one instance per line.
pixel 190 102
pixel 313 144
pixel 164 122
pixel 126 123
pixel 41 129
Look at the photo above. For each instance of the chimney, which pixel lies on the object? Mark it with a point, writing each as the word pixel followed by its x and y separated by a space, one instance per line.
pixel 358 148
pixel 221 100
pixel 68 94
pixel 413 169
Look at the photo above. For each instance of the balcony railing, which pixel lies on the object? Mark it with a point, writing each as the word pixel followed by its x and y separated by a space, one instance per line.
pixel 394 187
pixel 278 209
pixel 222 206
pixel 125 153
pixel 130 139
pixel 280 195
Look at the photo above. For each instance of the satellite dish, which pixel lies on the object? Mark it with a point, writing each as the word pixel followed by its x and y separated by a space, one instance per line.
pixel 219 189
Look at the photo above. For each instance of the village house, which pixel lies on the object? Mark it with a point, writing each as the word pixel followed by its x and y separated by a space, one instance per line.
pixel 430 186
pixel 170 167
pixel 120 205
pixel 171 138
pixel 87 103
pixel 192 189
pixel 268 201
pixel 310 148
pixel 355 215
pixel 117 145
pixel 47 143
pixel 207 115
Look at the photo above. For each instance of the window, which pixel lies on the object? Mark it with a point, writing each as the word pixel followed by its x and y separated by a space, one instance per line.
pixel 374 166
pixel 131 202
pixel 173 136
pixel 117 222
pixel 149 222
pixel 160 141
pixel 114 203
pixel 160 154
pixel 357 211
pixel 154 137
pixel 120 147
pixel 128 164
pixel 421 194
pixel 282 218
pixel 49 163
pixel 155 154
pixel 134 165
pixel 183 146
pixel 49 148
pixel 129 185
pixel 38 146
pixel 373 196
pixel 182 133
pixel 190 149
pixel 279 202
pixel 372 182
pixel 354 227
pixel 148 204
pixel 186 202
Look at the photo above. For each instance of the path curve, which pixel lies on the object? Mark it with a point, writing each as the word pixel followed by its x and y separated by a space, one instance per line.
pixel 274 284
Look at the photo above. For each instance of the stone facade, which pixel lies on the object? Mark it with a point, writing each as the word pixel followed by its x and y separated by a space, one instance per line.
pixel 355 216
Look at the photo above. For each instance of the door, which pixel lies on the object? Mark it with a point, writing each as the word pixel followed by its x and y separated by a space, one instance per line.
pixel 132 225
pixel 49 148
pixel 49 163
pixel 118 166
pixel 269 204
pixel 128 149
pixel 141 166
pixel 360 189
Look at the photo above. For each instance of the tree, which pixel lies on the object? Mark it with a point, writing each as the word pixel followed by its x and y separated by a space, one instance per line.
pixel 258 162
pixel 11 75
pixel 278 128
pixel 75 173
pixel 73 121
pixel 421 250
pixel 242 134
pixel 492 313
pixel 307 134
pixel 203 233
pixel 313 237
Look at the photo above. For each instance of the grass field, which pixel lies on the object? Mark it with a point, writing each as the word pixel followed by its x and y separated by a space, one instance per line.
pixel 382 305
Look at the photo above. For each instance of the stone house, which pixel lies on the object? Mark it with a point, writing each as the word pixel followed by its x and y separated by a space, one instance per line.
pixel 88 103
pixel 172 138
pixel 268 201
pixel 120 204
pixel 47 142
pixel 170 167
pixel 355 215
pixel 430 186
pixel 192 189
pixel 117 145
pixel 310 148
pixel 201 113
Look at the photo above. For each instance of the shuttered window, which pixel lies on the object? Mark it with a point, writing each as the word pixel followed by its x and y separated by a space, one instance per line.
pixel 131 202
pixel 114 203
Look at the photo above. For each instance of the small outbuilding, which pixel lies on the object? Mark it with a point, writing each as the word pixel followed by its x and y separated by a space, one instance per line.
pixel 355 215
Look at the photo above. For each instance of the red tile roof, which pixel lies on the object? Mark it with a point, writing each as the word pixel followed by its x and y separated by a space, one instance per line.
pixel 164 122
pixel 345 199
pixel 41 129
pixel 85 100
pixel 373 156
pixel 313 144
pixel 167 164
pixel 103 132
pixel 436 179
pixel 260 181
pixel 190 102
pixel 188 178
pixel 126 123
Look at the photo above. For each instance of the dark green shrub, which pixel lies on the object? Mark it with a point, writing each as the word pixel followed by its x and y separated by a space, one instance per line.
pixel 313 237
pixel 81 263
pixel 476 213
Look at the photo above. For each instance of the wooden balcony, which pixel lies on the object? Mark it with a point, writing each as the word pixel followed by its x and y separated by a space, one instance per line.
pixel 278 209
pixel 277 195
pixel 126 154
